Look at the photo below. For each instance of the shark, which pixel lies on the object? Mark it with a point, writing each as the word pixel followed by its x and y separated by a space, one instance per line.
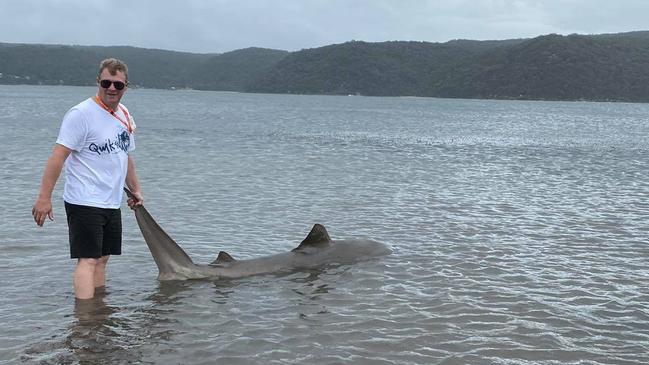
pixel 315 251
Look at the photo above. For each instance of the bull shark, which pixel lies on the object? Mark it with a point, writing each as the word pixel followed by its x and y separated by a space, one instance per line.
pixel 316 250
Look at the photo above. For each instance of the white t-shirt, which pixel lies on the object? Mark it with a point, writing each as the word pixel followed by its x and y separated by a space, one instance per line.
pixel 95 171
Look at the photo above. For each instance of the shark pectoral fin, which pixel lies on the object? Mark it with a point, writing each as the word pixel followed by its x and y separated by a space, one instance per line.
pixel 318 237
pixel 222 258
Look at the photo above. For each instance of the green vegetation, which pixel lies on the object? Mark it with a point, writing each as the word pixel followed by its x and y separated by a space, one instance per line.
pixel 553 67
pixel 149 68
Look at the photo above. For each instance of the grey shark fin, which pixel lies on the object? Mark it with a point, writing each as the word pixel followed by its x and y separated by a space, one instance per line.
pixel 223 258
pixel 318 237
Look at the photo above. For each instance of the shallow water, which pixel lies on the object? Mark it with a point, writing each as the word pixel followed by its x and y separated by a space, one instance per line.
pixel 519 232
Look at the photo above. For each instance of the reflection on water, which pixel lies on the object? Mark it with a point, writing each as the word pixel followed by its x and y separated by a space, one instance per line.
pixel 169 293
pixel 98 334
pixel 101 334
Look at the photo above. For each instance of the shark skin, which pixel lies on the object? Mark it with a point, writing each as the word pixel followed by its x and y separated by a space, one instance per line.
pixel 316 250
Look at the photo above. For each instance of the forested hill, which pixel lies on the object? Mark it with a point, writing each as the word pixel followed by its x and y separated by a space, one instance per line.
pixel 551 67
pixel 150 68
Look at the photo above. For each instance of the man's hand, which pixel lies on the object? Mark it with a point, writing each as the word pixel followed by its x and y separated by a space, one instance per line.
pixel 43 205
pixel 42 209
pixel 136 200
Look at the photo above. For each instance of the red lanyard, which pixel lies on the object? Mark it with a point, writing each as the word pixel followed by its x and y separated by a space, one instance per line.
pixel 126 123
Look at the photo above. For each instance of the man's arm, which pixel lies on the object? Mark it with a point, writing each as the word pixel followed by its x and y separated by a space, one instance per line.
pixel 133 184
pixel 43 206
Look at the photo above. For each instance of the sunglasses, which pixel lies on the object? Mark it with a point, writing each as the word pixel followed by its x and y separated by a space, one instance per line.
pixel 106 84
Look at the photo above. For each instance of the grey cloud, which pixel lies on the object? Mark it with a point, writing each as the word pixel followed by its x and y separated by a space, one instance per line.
pixel 224 25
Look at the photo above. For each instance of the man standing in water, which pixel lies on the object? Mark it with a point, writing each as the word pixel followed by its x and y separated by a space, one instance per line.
pixel 94 145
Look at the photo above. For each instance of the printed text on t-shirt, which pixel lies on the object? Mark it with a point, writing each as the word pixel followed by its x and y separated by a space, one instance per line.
pixel 121 143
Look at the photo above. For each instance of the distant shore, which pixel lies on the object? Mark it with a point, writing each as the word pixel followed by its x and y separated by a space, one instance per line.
pixel 607 67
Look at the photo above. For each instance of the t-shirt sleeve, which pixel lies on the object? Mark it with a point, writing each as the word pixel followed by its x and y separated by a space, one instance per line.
pixel 74 130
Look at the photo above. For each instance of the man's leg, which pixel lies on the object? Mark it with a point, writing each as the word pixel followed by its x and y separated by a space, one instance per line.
pixel 100 272
pixel 84 278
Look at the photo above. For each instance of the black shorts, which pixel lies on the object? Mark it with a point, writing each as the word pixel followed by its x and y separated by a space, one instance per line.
pixel 94 232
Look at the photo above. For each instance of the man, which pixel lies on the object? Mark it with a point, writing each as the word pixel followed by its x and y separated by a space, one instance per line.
pixel 94 145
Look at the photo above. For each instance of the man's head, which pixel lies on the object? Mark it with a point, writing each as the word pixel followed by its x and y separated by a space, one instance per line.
pixel 113 65
pixel 112 81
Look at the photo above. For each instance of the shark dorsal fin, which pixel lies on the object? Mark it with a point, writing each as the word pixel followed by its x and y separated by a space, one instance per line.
pixel 318 237
pixel 223 258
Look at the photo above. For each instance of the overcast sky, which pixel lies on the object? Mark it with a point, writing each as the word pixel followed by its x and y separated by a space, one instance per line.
pixel 215 26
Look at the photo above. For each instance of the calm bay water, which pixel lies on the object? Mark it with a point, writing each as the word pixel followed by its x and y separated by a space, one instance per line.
pixel 519 232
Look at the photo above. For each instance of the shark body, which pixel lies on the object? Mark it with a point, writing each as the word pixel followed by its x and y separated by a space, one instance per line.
pixel 316 250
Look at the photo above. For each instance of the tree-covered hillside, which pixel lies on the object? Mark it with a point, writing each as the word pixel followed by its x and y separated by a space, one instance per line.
pixel 389 68
pixel 553 67
pixel 235 70
pixel 574 67
pixel 150 68
pixel 565 67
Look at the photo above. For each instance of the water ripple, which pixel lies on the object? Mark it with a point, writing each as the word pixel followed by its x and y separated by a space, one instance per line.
pixel 518 230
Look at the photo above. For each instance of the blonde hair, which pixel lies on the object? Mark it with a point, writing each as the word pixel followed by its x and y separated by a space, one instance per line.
pixel 113 65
